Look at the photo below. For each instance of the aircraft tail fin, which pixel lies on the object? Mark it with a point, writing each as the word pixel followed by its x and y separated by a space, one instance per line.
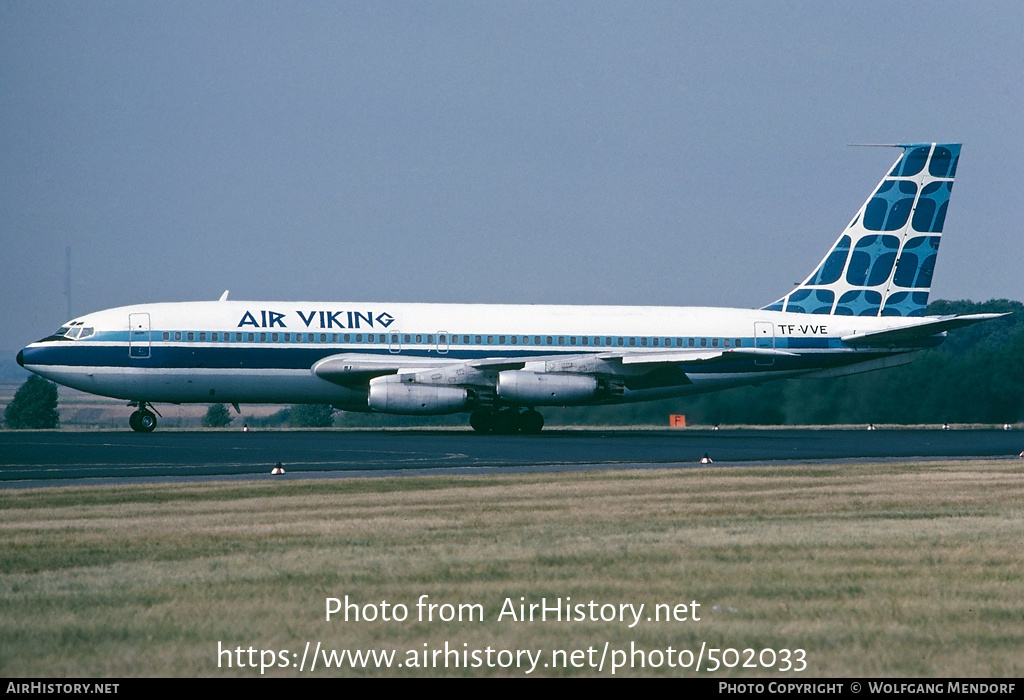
pixel 883 262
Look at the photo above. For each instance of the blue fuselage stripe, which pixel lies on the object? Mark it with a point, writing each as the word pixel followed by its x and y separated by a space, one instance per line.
pixel 279 356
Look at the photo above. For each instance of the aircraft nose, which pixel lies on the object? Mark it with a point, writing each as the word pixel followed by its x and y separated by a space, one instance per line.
pixel 21 358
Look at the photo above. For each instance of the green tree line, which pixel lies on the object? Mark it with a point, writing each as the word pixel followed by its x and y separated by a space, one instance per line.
pixel 975 376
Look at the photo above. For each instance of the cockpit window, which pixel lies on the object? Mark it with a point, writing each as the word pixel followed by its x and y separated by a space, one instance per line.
pixel 72 331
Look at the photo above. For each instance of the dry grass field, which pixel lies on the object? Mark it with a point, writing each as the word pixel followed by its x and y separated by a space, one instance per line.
pixel 873 570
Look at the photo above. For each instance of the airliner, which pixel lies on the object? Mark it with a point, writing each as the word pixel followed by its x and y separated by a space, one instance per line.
pixel 861 309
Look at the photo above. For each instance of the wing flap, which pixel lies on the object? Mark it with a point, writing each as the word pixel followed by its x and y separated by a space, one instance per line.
pixel 679 357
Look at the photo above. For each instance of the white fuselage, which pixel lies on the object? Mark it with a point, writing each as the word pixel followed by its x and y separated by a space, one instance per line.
pixel 264 352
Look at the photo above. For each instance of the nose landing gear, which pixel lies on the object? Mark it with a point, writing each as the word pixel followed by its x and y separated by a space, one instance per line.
pixel 144 419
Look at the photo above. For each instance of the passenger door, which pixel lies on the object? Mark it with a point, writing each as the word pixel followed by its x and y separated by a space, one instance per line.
pixel 139 336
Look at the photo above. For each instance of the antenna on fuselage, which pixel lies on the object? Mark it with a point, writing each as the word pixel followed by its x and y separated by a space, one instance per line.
pixel 224 296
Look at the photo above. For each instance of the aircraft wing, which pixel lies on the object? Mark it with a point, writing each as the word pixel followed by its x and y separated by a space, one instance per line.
pixel 681 357
pixel 354 369
pixel 928 327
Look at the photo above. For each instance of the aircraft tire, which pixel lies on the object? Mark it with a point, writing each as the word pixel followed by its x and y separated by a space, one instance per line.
pixel 530 422
pixel 481 421
pixel 506 422
pixel 143 421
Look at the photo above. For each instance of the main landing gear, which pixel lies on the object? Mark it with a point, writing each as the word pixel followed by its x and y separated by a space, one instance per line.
pixel 144 419
pixel 507 421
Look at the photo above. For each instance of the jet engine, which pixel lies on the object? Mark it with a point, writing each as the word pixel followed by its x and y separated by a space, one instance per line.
pixel 395 394
pixel 545 388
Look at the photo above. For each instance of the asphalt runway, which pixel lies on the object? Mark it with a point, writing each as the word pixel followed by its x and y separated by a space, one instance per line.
pixel 29 458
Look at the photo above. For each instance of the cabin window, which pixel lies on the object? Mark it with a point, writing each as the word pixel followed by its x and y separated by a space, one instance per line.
pixel 656 342
pixel 348 337
pixel 501 340
pixel 714 342
pixel 703 342
pixel 177 335
pixel 167 335
pixel 690 342
pixel 572 340
pixel 359 337
pixel 726 341
pixel 739 343
pixel 515 340
pixel 323 337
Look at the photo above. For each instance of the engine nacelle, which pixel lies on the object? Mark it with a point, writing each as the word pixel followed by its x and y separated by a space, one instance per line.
pixel 545 388
pixel 393 395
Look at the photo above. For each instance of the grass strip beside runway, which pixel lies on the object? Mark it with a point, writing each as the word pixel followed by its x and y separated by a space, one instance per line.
pixel 873 569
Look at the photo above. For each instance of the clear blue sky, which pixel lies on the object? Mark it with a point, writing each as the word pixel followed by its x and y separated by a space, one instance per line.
pixel 581 152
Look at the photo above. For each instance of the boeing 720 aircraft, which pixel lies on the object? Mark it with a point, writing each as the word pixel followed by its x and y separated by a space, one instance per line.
pixel 861 309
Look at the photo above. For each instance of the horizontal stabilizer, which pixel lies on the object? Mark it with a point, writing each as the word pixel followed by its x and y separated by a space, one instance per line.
pixel 927 327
